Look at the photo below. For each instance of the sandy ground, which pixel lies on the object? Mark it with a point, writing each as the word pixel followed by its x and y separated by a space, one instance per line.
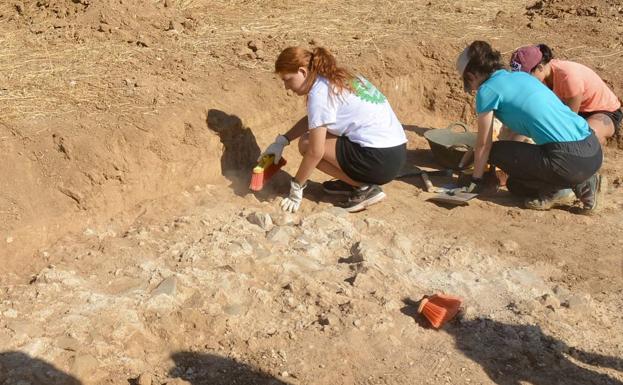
pixel 134 253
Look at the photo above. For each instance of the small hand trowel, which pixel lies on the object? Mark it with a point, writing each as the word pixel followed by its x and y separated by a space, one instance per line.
pixel 453 197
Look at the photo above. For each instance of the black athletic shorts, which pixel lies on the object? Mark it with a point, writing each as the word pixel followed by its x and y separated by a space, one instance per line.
pixel 616 116
pixel 367 164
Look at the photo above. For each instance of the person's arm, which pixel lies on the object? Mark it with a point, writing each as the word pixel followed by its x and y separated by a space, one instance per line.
pixel 313 155
pixel 573 102
pixel 297 130
pixel 484 139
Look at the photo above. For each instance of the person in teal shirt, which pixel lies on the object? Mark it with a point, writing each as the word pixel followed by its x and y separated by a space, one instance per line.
pixel 563 162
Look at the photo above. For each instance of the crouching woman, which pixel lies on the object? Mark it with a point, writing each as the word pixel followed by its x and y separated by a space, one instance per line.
pixel 566 155
pixel 350 132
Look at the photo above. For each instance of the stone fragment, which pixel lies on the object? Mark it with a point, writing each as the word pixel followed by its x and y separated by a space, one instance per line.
pixel 280 235
pixel 145 379
pixel 168 286
pixel 263 220
pixel 84 365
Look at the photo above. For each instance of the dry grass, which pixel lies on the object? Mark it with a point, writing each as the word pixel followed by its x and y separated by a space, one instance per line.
pixel 44 77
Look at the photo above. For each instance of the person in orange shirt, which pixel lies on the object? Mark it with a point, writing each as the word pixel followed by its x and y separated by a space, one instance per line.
pixel 578 86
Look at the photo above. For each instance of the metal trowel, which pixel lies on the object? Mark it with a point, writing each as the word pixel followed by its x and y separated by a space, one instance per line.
pixel 453 197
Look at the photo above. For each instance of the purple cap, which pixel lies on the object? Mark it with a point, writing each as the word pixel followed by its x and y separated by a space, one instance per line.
pixel 526 58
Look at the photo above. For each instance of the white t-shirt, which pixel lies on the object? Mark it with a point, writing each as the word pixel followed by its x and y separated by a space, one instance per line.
pixel 365 116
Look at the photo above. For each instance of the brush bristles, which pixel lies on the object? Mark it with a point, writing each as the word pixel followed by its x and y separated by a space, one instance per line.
pixel 439 309
pixel 434 314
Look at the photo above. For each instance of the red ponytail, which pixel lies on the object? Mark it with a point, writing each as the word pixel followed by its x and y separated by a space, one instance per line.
pixel 318 62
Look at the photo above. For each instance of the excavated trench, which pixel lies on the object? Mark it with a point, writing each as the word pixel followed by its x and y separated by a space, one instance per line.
pixel 85 175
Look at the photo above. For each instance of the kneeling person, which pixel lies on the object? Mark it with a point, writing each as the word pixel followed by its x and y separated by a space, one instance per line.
pixel 350 132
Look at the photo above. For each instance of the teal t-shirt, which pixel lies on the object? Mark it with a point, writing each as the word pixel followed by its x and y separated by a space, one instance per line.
pixel 528 107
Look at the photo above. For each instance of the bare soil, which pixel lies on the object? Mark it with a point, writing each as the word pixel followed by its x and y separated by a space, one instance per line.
pixel 133 252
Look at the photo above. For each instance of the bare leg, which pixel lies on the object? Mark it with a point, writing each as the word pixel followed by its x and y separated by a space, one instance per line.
pixel 507 134
pixel 329 164
pixel 602 125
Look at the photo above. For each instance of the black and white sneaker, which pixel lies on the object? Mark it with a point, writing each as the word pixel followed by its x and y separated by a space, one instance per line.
pixel 337 187
pixel 589 192
pixel 362 197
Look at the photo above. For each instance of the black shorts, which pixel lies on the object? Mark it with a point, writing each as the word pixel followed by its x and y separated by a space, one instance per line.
pixel 367 164
pixel 616 116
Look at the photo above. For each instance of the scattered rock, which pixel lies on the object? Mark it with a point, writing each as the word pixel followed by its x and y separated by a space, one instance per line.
pixel 328 319
pixel 550 301
pixel 285 219
pixel 363 251
pixel 144 379
pixel 68 343
pixel 255 45
pixel 402 243
pixel 235 309
pixel 578 303
pixel 84 365
pixel 261 219
pixel 509 245
pixel 260 54
pixel 168 286
pixel 175 26
pixel 280 234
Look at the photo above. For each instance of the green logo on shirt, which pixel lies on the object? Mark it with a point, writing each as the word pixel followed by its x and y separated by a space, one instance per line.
pixel 364 90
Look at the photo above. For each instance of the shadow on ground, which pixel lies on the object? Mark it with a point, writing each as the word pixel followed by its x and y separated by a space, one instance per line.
pixel 521 354
pixel 20 368
pixel 209 369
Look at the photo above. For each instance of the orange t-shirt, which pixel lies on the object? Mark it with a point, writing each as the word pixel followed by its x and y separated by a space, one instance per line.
pixel 572 79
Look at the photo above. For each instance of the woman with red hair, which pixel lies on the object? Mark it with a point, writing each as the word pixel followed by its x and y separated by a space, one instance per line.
pixel 350 132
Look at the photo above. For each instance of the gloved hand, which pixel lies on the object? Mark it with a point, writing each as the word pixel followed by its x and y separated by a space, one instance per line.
pixel 276 148
pixel 292 202
pixel 476 186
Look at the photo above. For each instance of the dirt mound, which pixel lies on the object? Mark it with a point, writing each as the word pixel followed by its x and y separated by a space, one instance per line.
pixel 555 9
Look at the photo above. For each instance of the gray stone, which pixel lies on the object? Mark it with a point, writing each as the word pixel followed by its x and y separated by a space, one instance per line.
pixel 263 220
pixel 168 286
pixel 235 309
pixel 280 234
pixel 579 303
pixel 285 219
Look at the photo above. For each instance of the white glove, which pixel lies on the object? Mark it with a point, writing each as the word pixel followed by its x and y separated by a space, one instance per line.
pixel 276 148
pixel 293 201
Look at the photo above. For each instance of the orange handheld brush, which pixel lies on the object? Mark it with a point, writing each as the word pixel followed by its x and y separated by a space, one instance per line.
pixel 264 170
pixel 439 308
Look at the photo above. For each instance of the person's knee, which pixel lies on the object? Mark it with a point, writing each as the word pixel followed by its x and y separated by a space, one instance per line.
pixel 303 144
pixel 602 125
